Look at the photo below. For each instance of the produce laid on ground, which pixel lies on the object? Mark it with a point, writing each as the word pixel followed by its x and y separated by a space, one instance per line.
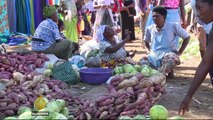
pixel 23 90
pixel 132 92
pixel 54 109
pixel 129 95
pixel 133 69
pixel 19 62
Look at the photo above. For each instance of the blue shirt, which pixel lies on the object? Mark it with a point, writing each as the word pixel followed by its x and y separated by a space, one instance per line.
pixel 163 41
pixel 47 31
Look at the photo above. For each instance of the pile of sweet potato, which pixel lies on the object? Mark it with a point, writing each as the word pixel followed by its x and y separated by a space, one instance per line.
pixel 17 62
pixel 128 96
pixel 22 90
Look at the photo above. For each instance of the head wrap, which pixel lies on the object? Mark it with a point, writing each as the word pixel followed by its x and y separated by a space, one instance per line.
pixel 100 33
pixel 49 11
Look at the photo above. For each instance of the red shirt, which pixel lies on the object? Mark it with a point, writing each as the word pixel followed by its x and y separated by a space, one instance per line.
pixel 115 9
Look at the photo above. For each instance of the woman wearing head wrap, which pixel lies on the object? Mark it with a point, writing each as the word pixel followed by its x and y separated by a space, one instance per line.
pixel 111 49
pixel 160 42
pixel 47 38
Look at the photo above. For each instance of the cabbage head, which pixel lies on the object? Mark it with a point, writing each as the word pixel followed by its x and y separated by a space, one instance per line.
pixel 39 118
pixel 158 112
pixel 65 112
pixel 139 117
pixel 125 118
pixel 10 118
pixel 23 109
pixel 61 102
pixel 26 115
pixel 54 106
pixel 59 116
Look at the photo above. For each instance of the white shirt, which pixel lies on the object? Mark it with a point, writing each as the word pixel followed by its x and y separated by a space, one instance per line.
pixel 104 2
pixel 90 5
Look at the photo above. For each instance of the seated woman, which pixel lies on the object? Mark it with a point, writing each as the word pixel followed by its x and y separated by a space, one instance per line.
pixel 47 38
pixel 112 52
pixel 161 44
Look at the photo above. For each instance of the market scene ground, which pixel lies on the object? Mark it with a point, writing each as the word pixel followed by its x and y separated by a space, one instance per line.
pixel 106 59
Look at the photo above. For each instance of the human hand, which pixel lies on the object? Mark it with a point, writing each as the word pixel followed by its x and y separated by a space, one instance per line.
pixel 104 6
pixel 184 106
pixel 184 25
pixel 132 54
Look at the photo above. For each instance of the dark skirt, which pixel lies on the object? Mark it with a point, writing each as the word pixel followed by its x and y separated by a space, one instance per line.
pixel 127 23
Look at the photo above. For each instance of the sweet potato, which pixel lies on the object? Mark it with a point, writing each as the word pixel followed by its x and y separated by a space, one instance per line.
pixel 130 90
pixel 131 106
pixel 12 61
pixel 146 82
pixel 111 89
pixel 105 108
pixel 163 83
pixel 6 100
pixel 39 63
pixel 158 78
pixel 3 104
pixel 119 101
pixel 130 112
pixel 103 98
pixel 128 82
pixel 5 60
pixel 141 97
pixel 14 97
pixel 139 76
pixel 116 78
pixel 107 102
pixel 9 113
pixel 103 114
pixel 119 108
pixel 11 106
pixel 82 116
pixel 97 114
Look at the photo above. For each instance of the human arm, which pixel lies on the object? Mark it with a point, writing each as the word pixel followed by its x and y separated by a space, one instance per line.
pixel 184 44
pixel 200 75
pixel 147 39
pixel 183 13
pixel 116 47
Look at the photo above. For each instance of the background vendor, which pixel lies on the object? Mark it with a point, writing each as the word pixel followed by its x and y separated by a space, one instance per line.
pixel 161 45
pixel 47 38
pixel 111 49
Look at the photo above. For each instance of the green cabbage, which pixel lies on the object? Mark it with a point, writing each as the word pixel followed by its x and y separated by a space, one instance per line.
pixel 10 118
pixel 137 67
pixel 48 72
pixel 125 118
pixel 158 112
pixel 59 116
pixel 39 118
pixel 128 68
pixel 54 106
pixel 48 117
pixel 61 102
pixel 23 109
pixel 146 71
pixel 65 112
pixel 26 115
pixel 50 66
pixel 139 117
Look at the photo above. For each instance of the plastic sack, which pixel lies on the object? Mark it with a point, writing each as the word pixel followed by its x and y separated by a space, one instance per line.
pixel 78 61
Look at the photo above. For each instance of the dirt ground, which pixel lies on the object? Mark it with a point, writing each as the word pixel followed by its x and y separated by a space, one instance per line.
pixel 201 106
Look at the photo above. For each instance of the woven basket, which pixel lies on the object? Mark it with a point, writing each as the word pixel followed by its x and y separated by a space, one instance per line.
pixel 65 72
